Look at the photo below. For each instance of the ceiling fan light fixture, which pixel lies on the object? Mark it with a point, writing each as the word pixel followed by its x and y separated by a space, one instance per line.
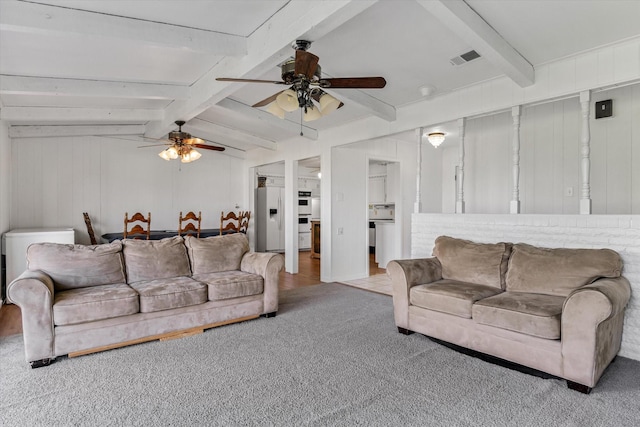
pixel 435 138
pixel 190 156
pixel 328 104
pixel 311 114
pixel 275 109
pixel 287 100
pixel 165 155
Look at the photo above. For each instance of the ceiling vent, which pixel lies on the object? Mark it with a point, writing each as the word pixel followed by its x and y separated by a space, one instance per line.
pixel 464 58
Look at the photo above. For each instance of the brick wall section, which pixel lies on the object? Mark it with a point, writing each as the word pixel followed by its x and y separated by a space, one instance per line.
pixel 618 232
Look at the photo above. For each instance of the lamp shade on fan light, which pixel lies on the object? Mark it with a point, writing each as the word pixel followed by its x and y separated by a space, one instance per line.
pixel 328 104
pixel 287 100
pixel 275 109
pixel 311 114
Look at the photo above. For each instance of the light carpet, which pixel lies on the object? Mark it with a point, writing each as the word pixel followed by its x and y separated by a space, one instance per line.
pixel 332 356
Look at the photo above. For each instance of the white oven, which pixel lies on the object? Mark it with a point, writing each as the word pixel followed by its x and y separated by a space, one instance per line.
pixel 304 224
pixel 304 202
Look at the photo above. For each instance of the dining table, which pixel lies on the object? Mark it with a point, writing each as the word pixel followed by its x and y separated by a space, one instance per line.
pixel 160 234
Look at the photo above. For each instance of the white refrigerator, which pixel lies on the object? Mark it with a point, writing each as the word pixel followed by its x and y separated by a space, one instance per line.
pixel 270 219
pixel 16 242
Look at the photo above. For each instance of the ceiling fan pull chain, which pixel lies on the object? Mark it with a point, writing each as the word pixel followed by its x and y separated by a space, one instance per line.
pixel 301 134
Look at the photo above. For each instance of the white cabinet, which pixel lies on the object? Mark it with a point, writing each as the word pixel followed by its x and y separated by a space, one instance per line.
pixel 304 240
pixel 385 243
pixel 377 189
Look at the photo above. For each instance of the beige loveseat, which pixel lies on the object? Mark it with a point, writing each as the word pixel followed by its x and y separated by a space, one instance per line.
pixel 558 311
pixel 79 299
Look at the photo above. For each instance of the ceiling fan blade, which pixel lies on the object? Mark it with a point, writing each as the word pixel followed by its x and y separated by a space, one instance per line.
pixel 227 79
pixel 267 101
pixel 306 63
pixel 152 145
pixel 193 141
pixel 208 147
pixel 354 83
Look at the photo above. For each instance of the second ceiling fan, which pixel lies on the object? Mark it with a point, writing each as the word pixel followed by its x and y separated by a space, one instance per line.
pixel 303 75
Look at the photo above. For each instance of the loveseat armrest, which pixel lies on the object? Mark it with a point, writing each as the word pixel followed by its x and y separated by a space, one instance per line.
pixel 33 292
pixel 267 265
pixel 407 273
pixel 592 320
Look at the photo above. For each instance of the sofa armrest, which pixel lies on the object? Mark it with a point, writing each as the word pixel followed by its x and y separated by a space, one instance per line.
pixel 592 320
pixel 33 292
pixel 407 273
pixel 267 265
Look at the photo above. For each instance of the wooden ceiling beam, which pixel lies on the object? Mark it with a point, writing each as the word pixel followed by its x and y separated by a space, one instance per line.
pixel 27 131
pixel 25 115
pixel 41 18
pixel 25 85
pixel 463 21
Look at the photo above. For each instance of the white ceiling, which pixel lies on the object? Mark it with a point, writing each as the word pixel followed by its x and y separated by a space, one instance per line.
pixel 134 67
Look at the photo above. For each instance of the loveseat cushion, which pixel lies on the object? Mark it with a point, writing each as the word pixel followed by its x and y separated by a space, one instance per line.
pixel 216 253
pixel 164 294
pixel 532 314
pixel 155 259
pixel 82 305
pixel 559 271
pixel 231 284
pixel 77 266
pixel 450 296
pixel 471 262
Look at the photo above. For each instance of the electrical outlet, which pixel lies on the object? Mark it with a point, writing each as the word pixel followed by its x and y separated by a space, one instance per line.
pixel 340 231
pixel 569 192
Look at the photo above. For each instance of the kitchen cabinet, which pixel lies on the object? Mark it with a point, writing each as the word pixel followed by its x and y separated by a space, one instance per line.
pixel 315 239
pixel 377 189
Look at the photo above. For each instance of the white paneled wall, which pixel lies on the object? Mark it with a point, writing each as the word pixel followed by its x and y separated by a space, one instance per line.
pixel 54 180
pixel 550 154
pixel 618 232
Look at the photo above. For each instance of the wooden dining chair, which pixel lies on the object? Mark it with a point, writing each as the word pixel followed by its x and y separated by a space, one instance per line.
pixel 137 229
pixel 87 222
pixel 229 223
pixel 190 223
pixel 245 216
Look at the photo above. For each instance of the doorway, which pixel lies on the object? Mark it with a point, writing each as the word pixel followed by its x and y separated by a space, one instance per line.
pixel 382 192
pixel 309 216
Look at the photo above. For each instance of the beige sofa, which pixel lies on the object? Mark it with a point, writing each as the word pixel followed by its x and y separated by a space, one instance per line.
pixel 558 311
pixel 79 299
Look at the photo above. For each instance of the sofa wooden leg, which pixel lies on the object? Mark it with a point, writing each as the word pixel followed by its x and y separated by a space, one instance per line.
pixel 40 363
pixel 272 314
pixel 579 387
pixel 404 331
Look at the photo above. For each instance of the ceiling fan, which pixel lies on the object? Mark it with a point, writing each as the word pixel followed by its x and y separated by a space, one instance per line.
pixel 183 146
pixel 303 74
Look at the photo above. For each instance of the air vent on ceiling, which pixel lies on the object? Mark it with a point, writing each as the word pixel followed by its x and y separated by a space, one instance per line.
pixel 464 58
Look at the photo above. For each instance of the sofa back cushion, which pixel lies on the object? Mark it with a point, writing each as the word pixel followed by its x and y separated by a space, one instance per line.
pixel 466 261
pixel 558 271
pixel 217 253
pixel 78 266
pixel 155 259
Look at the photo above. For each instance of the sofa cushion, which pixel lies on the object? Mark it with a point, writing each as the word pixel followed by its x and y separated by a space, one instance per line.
pixel 77 266
pixel 558 271
pixel 164 294
pixel 532 314
pixel 466 261
pixel 217 253
pixel 155 259
pixel 82 305
pixel 231 284
pixel 450 296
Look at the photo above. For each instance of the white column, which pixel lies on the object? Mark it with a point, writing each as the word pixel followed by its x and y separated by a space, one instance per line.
pixel 417 207
pixel 585 165
pixel 515 199
pixel 460 177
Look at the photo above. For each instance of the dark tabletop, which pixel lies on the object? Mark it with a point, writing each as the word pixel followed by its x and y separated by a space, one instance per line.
pixel 160 234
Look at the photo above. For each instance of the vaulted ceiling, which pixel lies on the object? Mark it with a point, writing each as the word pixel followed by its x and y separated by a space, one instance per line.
pixel 100 67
